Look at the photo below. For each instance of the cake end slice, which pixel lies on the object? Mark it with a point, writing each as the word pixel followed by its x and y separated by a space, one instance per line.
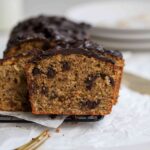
pixel 13 87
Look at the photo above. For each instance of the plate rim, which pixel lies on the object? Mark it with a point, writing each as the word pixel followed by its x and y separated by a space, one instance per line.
pixel 110 29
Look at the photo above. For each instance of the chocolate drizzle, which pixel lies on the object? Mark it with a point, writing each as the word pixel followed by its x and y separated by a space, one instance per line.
pixel 51 28
pixel 55 32
pixel 87 48
pixel 114 53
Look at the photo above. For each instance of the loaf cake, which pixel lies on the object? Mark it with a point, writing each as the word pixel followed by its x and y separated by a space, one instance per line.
pixel 81 80
pixel 13 87
pixel 64 71
pixel 44 32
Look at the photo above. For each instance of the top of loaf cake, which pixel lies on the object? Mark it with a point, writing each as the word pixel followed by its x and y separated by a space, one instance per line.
pixel 48 28
pixel 64 33
pixel 86 47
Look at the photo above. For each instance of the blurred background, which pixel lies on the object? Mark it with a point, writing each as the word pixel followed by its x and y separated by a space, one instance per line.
pixel 13 11
pixel 53 7
pixel 117 24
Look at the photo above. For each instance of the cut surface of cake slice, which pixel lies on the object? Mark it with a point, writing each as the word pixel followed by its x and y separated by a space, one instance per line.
pixel 74 81
pixel 13 87
pixel 44 32
pixel 119 62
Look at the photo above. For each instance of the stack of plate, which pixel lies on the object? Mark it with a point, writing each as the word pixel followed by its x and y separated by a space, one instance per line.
pixel 117 24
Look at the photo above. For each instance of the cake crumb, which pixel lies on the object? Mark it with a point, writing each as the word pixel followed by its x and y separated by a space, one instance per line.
pixel 58 130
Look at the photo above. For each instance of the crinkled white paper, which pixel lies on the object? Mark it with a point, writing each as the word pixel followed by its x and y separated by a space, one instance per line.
pixel 128 124
pixel 44 120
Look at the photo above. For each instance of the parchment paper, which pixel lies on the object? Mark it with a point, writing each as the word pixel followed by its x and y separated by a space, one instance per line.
pixel 44 120
pixel 128 124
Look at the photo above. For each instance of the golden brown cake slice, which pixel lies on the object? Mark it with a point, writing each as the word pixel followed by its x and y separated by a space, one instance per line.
pixel 76 81
pixel 13 86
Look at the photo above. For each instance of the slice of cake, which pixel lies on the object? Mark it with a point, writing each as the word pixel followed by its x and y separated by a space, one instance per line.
pixel 44 32
pixel 13 87
pixel 83 80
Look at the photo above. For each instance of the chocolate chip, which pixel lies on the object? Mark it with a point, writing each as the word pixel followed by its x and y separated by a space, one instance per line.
pixel 98 65
pixel 61 98
pixel 36 71
pixel 44 90
pixel 91 78
pixel 15 80
pixel 90 104
pixel 89 81
pixel 65 66
pixel 103 76
pixel 112 82
pixel 51 72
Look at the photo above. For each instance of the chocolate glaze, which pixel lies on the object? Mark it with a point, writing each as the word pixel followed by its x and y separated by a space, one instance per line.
pixel 114 53
pixel 89 45
pixel 55 32
pixel 28 54
pixel 87 48
pixel 48 28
